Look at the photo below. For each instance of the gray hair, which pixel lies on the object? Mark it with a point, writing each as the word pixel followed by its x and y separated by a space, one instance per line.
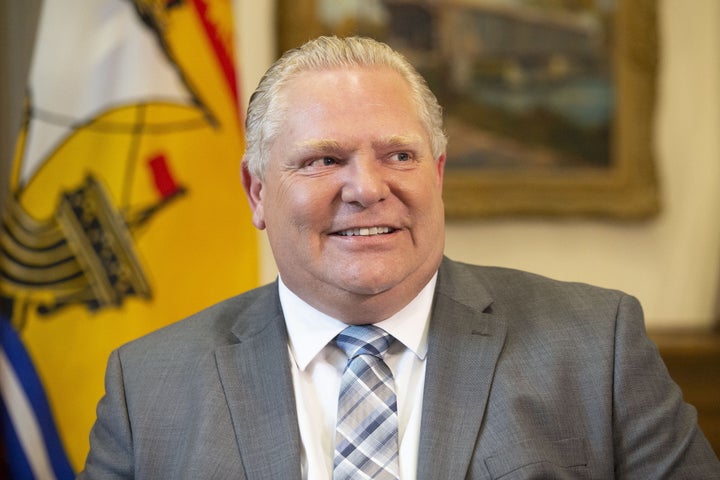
pixel 264 117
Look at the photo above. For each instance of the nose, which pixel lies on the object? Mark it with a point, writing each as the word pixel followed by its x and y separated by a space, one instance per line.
pixel 365 182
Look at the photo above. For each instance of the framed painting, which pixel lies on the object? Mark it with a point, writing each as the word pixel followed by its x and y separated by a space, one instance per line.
pixel 548 105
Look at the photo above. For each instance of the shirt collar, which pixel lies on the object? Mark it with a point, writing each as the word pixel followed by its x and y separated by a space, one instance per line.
pixel 309 330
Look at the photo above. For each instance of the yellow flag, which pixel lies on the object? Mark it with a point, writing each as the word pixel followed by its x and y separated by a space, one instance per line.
pixel 127 211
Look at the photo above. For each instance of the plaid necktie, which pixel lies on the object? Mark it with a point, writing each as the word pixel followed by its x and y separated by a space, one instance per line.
pixel 366 435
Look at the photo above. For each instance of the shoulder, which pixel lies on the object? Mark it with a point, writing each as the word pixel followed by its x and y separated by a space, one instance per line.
pixel 548 320
pixel 209 328
pixel 501 282
pixel 525 298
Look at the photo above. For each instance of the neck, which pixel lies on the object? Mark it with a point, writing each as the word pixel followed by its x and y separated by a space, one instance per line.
pixel 361 309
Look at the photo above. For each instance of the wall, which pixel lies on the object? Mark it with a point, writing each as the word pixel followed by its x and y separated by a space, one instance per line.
pixel 672 262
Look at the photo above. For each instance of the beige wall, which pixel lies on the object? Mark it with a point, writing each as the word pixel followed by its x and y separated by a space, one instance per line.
pixel 671 263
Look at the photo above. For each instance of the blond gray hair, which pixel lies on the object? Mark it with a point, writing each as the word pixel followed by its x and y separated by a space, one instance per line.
pixel 264 115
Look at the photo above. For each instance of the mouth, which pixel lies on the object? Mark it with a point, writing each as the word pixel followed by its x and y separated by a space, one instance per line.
pixel 364 231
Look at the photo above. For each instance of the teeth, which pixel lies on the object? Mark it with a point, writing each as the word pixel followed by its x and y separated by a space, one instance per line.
pixel 365 231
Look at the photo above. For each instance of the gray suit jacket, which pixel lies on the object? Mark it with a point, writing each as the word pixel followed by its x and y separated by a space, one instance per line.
pixel 526 378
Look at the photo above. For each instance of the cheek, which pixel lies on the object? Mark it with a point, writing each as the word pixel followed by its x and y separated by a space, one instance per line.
pixel 299 205
pixel 424 195
pixel 426 207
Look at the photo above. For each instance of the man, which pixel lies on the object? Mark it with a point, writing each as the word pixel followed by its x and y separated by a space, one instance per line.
pixel 489 373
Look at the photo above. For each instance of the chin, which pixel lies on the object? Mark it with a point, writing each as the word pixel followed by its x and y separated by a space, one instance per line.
pixel 368 287
pixel 368 283
pixel 375 282
pixel 371 277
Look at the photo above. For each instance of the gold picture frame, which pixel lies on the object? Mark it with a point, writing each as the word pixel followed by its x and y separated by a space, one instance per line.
pixel 624 186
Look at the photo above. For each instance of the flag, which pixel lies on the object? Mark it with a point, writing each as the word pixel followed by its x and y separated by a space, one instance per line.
pixel 126 211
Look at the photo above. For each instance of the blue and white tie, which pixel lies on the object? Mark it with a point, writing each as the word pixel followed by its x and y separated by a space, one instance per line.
pixel 366 435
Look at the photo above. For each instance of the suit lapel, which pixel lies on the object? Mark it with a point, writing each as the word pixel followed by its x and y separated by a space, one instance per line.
pixel 465 341
pixel 257 383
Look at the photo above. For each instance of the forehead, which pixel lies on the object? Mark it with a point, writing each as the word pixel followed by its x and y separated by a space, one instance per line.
pixel 347 105
pixel 345 85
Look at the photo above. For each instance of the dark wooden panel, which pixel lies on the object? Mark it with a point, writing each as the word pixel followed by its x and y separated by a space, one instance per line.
pixel 693 360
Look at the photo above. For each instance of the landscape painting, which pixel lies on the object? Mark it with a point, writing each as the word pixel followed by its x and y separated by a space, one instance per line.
pixel 548 104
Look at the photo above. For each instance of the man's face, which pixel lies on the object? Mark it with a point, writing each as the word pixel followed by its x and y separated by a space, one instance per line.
pixel 351 197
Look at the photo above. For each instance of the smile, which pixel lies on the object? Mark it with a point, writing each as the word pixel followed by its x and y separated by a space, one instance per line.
pixel 365 231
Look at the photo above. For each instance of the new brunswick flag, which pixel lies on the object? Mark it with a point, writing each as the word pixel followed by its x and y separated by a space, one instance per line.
pixel 126 209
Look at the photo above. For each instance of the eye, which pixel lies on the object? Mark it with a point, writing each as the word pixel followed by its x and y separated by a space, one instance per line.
pixel 323 162
pixel 402 156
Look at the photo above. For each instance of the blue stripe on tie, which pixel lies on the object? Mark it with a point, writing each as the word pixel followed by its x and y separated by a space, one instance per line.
pixel 22 364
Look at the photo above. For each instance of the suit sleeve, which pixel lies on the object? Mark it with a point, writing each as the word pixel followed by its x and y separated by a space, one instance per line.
pixel 111 451
pixel 656 434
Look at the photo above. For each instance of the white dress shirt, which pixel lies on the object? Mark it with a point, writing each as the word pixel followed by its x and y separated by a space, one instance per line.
pixel 317 366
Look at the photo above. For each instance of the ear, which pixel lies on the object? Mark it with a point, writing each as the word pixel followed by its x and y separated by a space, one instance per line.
pixel 254 192
pixel 440 165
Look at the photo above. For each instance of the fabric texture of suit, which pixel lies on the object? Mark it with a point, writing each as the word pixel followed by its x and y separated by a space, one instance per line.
pixel 526 378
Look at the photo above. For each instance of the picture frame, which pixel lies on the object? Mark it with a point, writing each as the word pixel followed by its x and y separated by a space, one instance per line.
pixel 609 170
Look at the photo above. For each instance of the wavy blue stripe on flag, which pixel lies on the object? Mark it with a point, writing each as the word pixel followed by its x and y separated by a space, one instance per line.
pixel 18 466
pixel 31 428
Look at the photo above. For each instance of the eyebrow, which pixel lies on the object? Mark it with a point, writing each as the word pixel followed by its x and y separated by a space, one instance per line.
pixel 393 141
pixel 397 141
pixel 320 146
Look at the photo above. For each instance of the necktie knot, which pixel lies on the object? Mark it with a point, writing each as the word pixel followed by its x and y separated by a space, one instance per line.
pixel 363 340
